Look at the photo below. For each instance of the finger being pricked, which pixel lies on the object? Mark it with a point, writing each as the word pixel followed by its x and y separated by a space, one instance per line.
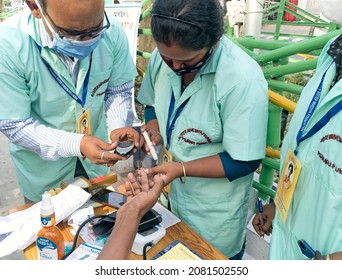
pixel 142 175
pixel 132 185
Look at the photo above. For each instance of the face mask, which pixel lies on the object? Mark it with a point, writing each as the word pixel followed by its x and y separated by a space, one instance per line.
pixel 77 49
pixel 332 10
pixel 191 68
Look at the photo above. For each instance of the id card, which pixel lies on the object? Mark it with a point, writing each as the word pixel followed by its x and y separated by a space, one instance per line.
pixel 83 123
pixel 287 183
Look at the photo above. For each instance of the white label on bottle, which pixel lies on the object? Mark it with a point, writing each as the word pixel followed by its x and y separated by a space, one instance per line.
pixel 47 250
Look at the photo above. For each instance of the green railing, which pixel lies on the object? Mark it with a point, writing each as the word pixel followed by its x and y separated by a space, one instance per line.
pixel 302 18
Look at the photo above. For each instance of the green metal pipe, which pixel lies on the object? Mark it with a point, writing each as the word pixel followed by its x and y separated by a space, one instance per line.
pixel 282 86
pixel 299 9
pixel 332 26
pixel 271 163
pixel 144 3
pixel 279 19
pixel 301 23
pixel 273 126
pixel 146 13
pixel 261 44
pixel 264 190
pixel 300 66
pixel 144 31
pixel 299 47
pixel 248 51
pixel 144 54
pixel 288 35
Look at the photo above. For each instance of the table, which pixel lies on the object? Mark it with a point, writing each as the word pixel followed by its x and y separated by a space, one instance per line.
pixel 179 231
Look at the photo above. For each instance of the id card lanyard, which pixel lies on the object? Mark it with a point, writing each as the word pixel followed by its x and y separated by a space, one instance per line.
pixel 170 124
pixel 322 122
pixel 73 95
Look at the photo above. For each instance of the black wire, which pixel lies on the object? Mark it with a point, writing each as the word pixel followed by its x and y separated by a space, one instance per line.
pixel 78 233
pixel 149 244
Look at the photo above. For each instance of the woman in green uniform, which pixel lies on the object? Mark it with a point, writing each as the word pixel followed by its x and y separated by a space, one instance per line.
pixel 206 102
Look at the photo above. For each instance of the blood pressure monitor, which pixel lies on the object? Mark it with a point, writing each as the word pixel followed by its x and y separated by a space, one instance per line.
pixel 153 235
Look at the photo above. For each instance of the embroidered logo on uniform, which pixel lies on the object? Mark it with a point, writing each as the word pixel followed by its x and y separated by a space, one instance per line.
pixel 326 161
pixel 182 137
pixel 97 87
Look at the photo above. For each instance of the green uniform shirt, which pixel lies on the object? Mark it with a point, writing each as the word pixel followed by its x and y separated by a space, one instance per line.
pixel 226 110
pixel 29 90
pixel 315 212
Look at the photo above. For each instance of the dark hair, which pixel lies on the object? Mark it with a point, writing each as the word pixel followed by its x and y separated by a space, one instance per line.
pixel 191 24
pixel 291 168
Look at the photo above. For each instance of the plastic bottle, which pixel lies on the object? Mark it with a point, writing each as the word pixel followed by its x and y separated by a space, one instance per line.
pixel 49 241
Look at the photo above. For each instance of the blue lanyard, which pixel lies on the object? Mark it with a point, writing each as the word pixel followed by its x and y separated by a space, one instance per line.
pixel 322 122
pixel 170 125
pixel 65 87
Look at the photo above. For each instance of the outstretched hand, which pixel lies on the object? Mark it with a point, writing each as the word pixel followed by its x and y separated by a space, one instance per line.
pixel 140 196
pixel 140 199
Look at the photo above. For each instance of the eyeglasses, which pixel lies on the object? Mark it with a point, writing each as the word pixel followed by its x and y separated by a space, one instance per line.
pixel 78 36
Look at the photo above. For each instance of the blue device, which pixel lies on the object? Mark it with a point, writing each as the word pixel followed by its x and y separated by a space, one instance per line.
pixel 306 249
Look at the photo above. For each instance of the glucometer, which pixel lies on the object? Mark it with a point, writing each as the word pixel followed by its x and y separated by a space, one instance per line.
pixel 124 148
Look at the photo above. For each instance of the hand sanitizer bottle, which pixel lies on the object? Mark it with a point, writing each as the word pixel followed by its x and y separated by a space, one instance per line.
pixel 49 241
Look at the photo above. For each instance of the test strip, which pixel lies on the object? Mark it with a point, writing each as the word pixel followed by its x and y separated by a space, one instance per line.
pixel 149 144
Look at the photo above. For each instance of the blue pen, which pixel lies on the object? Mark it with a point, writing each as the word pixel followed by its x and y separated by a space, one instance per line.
pixel 261 210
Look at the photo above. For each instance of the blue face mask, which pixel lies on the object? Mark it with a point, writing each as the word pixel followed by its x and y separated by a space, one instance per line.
pixel 72 48
pixel 77 49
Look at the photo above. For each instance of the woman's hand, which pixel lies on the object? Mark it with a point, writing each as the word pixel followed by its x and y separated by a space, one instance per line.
pixel 168 171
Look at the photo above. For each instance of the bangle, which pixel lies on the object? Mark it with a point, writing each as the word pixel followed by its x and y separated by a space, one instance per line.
pixel 183 181
pixel 327 257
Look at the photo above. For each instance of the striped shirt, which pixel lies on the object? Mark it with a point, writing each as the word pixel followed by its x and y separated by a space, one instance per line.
pixel 52 144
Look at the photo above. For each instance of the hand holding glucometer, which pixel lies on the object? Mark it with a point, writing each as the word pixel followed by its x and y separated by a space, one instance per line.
pixel 124 148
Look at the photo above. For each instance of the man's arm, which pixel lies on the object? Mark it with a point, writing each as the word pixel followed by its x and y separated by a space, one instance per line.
pixel 48 143
pixel 118 104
